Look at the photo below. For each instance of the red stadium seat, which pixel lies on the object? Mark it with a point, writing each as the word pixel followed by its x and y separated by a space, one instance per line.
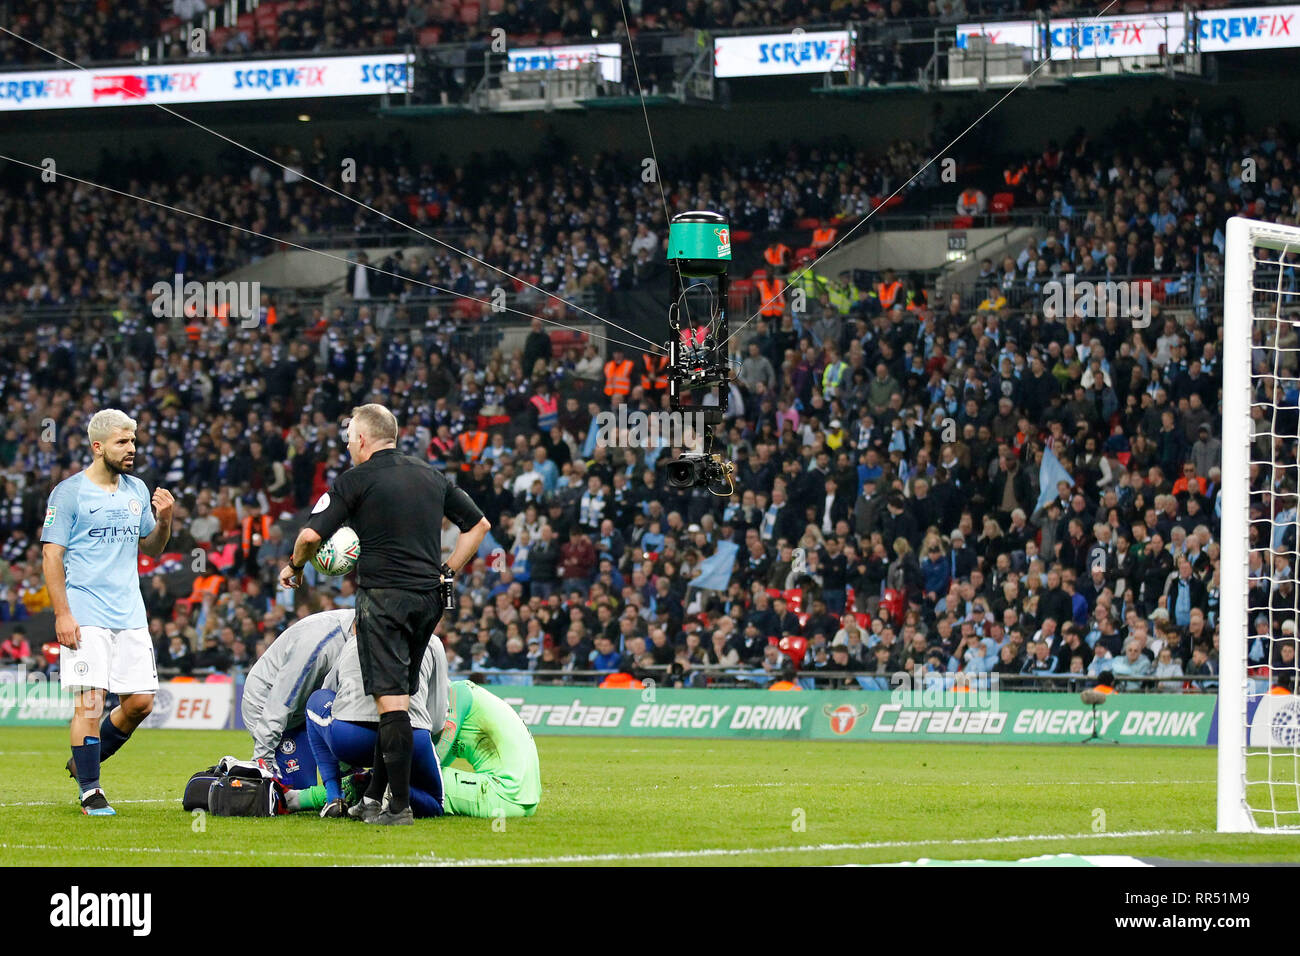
pixel 246 23
pixel 741 235
pixel 496 6
pixel 1134 6
pixel 388 38
pixel 808 223
pixel 774 593
pixel 469 13
pixel 430 36
pixel 794 598
pixel 217 38
pixel 169 25
pixel 554 38
pixel 963 222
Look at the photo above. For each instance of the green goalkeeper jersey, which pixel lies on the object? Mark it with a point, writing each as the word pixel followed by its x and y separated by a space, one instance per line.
pixel 486 732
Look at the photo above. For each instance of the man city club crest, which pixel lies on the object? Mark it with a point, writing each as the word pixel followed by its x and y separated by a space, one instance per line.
pixel 134 507
pixel 81 668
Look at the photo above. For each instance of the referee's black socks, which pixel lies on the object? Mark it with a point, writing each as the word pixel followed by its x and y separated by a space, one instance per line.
pixel 396 740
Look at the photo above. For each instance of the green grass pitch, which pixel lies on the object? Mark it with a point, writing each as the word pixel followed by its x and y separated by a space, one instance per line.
pixel 660 802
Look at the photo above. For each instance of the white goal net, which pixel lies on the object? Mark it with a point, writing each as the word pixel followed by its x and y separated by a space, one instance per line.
pixel 1259 712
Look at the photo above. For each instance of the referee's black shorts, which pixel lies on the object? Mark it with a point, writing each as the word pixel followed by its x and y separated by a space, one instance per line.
pixel 393 630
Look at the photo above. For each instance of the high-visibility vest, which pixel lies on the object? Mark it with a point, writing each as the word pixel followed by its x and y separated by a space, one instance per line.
pixel 970 199
pixel 263 528
pixel 777 254
pixel 783 685
pixel 833 376
pixel 823 237
pixel 472 444
pixel 773 294
pixel 1014 178
pixel 655 376
pixel 887 292
pixel 548 411
pixel 1279 691
pixel 618 377
pixel 1104 689
pixel 915 300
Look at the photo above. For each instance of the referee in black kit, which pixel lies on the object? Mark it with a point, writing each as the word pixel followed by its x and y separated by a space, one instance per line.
pixel 395 504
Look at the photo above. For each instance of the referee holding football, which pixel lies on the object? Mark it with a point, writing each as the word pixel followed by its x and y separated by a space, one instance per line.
pixel 395 503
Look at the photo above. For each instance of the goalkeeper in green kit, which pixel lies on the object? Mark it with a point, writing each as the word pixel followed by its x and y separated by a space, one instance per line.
pixel 485 731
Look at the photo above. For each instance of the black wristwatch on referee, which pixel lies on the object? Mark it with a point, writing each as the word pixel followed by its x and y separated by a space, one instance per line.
pixel 296 568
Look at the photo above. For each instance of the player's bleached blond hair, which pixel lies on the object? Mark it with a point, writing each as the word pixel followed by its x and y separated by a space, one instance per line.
pixel 376 421
pixel 106 421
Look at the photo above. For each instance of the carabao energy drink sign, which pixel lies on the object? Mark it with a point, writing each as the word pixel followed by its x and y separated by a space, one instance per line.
pixel 1168 719
pixel 33 699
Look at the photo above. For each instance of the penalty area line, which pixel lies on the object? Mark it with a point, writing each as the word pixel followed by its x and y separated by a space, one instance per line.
pixel 806 848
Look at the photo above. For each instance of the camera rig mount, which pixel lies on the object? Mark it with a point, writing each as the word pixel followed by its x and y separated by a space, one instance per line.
pixel 699 248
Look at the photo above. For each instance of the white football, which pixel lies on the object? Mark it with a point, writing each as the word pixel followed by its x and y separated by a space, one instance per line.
pixel 339 554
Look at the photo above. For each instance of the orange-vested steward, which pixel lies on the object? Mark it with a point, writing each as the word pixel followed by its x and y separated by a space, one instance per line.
pixel 618 377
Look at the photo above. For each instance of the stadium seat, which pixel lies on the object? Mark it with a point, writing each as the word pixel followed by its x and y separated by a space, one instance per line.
pixel 169 25
pixel 804 254
pixel 794 598
pixel 469 13
pixel 430 36
pixel 496 6
pixel 808 223
pixel 1002 203
pixel 963 222
pixel 1135 6
pixel 554 38
pixel 388 38
pixel 246 23
pixel 217 37
pixel 741 235
pixel 775 593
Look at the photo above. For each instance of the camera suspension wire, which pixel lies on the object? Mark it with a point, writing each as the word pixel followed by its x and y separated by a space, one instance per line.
pixel 636 71
pixel 294 245
pixel 343 195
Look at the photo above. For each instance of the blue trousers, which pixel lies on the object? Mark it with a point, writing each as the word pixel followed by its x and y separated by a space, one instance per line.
pixel 336 741
pixel 296 761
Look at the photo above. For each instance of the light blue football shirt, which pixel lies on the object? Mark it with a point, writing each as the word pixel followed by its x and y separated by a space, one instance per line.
pixel 101 531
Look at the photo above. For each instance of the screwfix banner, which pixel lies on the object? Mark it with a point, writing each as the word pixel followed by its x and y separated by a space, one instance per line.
pixel 1176 719
pixel 1220 31
pixel 245 80
pixel 610 56
pixel 776 54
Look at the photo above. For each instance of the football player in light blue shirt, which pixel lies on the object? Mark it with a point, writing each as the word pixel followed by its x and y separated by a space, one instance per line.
pixel 96 523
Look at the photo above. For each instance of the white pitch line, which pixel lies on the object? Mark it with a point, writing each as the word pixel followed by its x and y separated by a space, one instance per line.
pixel 807 848
pixel 917 783
pixel 72 802
pixel 387 858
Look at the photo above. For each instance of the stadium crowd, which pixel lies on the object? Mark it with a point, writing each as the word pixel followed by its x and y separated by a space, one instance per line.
pixel 86 31
pixel 890 509
pixel 567 226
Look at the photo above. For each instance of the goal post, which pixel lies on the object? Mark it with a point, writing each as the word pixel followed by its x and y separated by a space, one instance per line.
pixel 1258 730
